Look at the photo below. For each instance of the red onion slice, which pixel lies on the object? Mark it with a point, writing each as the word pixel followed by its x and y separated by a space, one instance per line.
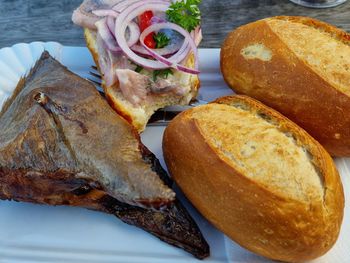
pixel 106 35
pixel 108 24
pixel 121 6
pixel 124 19
pixel 111 24
pixel 157 19
pixel 180 55
pixel 134 30
pixel 139 7
pixel 105 12
pixel 166 51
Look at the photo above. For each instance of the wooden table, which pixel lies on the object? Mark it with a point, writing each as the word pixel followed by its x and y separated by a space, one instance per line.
pixel 45 20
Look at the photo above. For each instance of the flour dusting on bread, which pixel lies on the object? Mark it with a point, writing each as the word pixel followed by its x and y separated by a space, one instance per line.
pixel 257 51
pixel 307 78
pixel 258 177
pixel 306 42
pixel 255 143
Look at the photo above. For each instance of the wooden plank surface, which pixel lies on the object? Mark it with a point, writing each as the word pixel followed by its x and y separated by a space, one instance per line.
pixel 45 20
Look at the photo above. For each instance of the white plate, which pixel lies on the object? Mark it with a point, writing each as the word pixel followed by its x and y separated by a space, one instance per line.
pixel 38 233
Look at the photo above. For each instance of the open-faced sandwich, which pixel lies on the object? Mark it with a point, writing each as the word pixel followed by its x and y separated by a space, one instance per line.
pixel 146 52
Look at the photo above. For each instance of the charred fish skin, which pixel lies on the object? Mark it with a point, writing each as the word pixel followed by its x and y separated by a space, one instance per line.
pixel 40 163
pixel 173 226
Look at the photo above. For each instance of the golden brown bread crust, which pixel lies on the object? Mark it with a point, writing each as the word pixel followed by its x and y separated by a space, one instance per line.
pixel 119 105
pixel 322 26
pixel 275 226
pixel 288 84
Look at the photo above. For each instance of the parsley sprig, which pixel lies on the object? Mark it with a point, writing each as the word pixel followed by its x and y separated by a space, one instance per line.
pixel 138 68
pixel 163 73
pixel 185 13
pixel 161 40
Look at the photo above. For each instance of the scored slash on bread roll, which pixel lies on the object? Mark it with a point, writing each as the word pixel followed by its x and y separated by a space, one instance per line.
pixel 299 66
pixel 257 177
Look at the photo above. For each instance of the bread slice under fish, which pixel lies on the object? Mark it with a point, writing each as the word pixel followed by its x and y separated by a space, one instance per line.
pixel 257 177
pixel 138 116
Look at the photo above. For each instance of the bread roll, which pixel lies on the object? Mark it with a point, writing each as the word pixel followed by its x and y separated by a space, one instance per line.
pixel 298 66
pixel 257 177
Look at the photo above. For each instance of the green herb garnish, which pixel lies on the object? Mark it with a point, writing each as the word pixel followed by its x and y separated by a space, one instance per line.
pixel 138 68
pixel 185 13
pixel 161 40
pixel 163 73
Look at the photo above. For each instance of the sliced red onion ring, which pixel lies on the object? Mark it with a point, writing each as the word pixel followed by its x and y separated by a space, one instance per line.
pixel 111 24
pixel 106 35
pixel 120 7
pixel 179 56
pixel 123 4
pixel 134 33
pixel 133 11
pixel 170 49
pixel 105 12
pixel 128 15
pixel 105 28
pixel 166 51
pixel 157 19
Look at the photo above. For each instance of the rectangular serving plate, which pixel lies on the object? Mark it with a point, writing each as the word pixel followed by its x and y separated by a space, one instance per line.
pixel 39 233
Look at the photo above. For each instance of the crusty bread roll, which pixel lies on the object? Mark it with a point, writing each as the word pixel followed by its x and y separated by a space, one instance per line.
pixel 138 116
pixel 257 177
pixel 298 66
